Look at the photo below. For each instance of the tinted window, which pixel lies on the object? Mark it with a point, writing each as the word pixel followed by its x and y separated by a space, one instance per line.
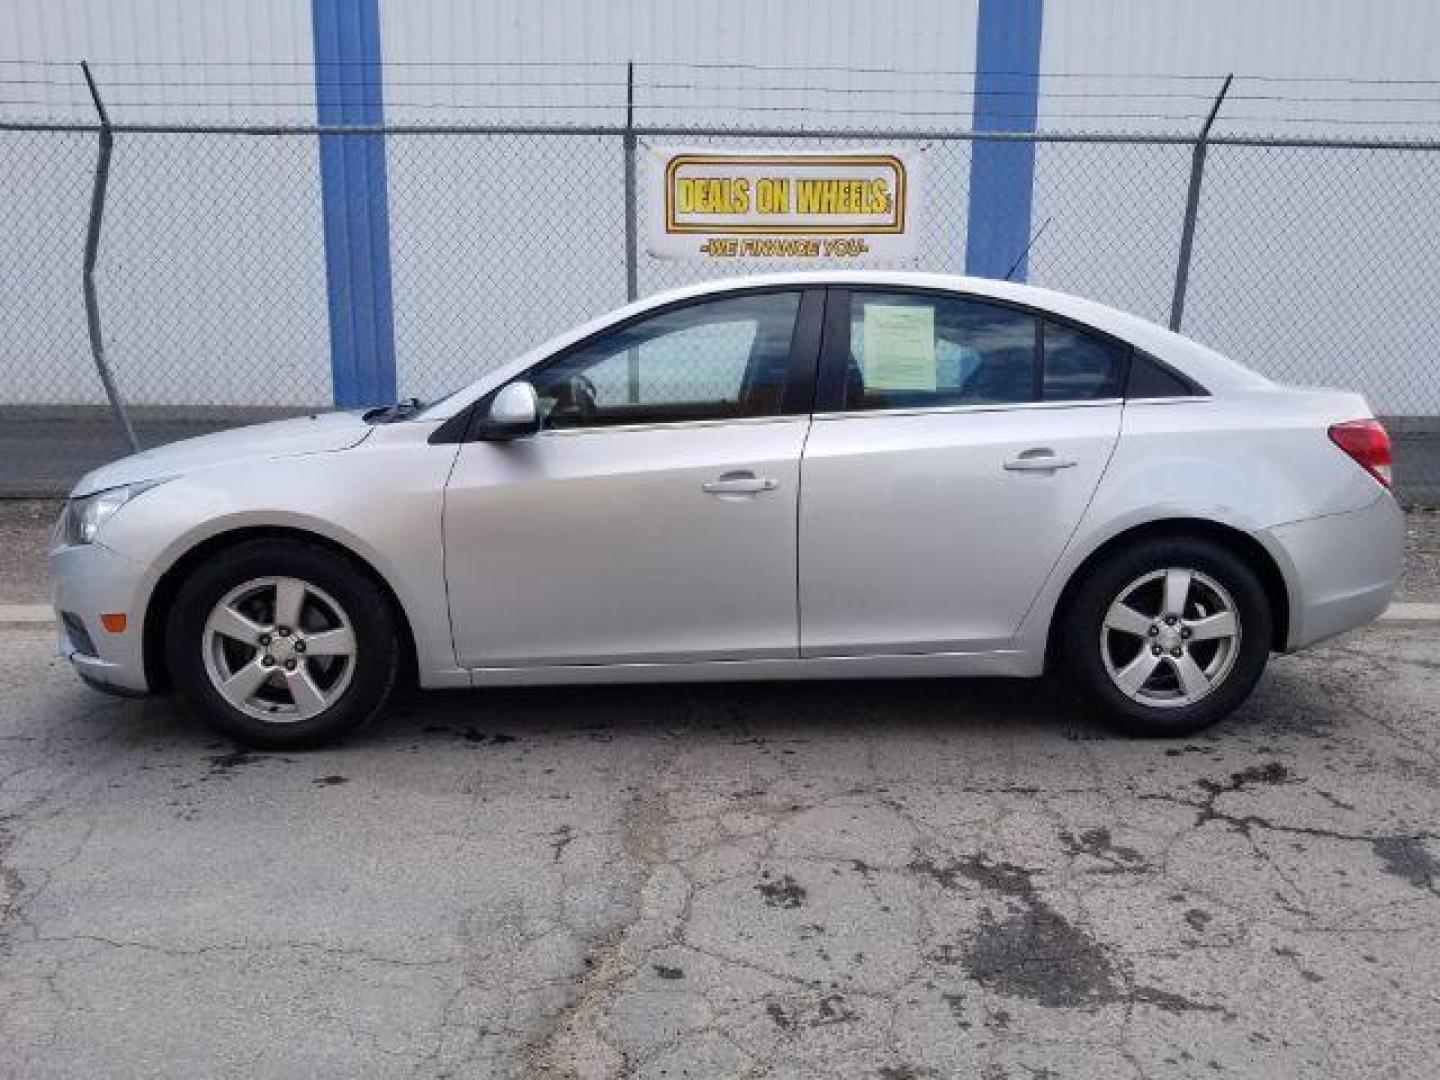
pixel 714 360
pixel 1081 366
pixel 910 350
pixel 1149 380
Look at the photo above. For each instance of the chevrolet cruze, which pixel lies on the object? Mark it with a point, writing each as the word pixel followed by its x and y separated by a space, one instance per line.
pixel 839 475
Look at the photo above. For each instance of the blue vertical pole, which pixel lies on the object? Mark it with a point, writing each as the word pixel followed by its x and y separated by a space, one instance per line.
pixel 1007 85
pixel 353 190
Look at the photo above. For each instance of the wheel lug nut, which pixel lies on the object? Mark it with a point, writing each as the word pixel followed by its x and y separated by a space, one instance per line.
pixel 1154 629
pixel 267 660
pixel 284 631
pixel 1175 652
pixel 1155 649
pixel 1169 621
pixel 290 664
pixel 299 645
pixel 1185 632
pixel 264 639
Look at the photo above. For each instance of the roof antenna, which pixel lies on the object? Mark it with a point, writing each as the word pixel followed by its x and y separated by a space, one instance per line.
pixel 1010 274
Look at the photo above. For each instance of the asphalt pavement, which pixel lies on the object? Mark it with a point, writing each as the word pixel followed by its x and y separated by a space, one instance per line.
pixel 888 880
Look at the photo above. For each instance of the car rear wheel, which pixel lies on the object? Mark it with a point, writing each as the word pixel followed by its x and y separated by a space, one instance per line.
pixel 282 644
pixel 1166 637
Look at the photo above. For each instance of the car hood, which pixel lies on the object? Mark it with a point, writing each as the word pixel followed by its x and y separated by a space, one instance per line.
pixel 319 433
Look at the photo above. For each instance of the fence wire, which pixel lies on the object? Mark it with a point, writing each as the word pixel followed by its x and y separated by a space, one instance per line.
pixel 1312 263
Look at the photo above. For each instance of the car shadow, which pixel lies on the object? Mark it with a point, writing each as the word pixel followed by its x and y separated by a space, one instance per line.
pixel 742 708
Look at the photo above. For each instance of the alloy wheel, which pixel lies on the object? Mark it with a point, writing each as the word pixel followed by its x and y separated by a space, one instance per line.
pixel 279 649
pixel 1170 637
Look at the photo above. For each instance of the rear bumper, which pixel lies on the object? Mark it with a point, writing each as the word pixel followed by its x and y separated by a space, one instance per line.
pixel 91 579
pixel 1343 569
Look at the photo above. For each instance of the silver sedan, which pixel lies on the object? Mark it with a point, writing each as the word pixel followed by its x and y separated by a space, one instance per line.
pixel 840 475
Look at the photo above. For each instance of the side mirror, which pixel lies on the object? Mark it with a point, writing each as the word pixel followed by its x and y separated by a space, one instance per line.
pixel 513 413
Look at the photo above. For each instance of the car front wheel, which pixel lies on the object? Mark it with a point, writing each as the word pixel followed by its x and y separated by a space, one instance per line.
pixel 1166 637
pixel 282 644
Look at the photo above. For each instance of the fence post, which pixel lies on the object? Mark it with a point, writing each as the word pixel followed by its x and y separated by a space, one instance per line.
pixel 92 252
pixel 631 223
pixel 632 254
pixel 1192 207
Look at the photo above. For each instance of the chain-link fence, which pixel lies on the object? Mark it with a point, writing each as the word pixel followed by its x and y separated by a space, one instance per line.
pixel 1312 262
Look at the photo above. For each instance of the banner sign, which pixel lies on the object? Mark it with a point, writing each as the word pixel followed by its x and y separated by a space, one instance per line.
pixel 704 204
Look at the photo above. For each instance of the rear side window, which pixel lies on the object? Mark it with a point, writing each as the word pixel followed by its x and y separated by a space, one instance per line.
pixel 1149 379
pixel 912 350
pixel 1080 366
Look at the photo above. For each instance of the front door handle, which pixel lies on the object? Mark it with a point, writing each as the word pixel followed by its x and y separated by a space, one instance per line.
pixel 1041 459
pixel 739 483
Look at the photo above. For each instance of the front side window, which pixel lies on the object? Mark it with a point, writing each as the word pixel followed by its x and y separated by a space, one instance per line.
pixel 911 350
pixel 714 360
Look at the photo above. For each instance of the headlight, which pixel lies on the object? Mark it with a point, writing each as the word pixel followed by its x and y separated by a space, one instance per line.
pixel 84 517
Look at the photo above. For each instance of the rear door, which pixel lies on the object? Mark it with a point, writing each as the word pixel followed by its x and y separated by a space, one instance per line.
pixel 955 445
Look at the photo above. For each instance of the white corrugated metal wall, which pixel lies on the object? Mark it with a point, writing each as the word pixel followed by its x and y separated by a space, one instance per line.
pixel 1298 276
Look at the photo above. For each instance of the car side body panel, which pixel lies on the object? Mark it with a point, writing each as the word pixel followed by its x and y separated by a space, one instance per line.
pixel 1249 456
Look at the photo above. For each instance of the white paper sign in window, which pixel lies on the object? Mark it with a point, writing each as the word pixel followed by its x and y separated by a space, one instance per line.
pixel 899 347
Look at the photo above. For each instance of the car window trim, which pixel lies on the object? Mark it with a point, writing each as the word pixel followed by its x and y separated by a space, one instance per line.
pixel 830 395
pixel 978 407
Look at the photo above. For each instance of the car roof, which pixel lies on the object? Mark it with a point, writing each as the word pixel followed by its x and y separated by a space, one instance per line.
pixel 1207 367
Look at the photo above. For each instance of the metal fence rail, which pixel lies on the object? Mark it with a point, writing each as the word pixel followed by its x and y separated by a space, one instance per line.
pixel 1310 260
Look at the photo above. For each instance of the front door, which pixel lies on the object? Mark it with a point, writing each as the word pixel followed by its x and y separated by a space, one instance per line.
pixel 955 446
pixel 653 518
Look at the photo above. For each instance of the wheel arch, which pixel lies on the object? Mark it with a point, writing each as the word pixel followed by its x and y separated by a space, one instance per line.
pixel 167 588
pixel 1255 554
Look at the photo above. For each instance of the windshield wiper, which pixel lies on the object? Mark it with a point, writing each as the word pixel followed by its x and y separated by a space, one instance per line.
pixel 387 414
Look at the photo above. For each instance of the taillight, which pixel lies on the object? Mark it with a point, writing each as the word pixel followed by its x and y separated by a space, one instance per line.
pixel 1368 443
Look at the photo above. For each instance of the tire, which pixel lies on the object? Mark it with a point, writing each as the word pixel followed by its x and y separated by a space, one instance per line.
pixel 1105 651
pixel 289 687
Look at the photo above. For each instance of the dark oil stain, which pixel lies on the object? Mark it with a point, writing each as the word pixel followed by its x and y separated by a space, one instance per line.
pixel 781 1018
pixel 785 893
pixel 1097 844
pixel 833 1009
pixel 1174 1003
pixel 1034 952
pixel 331 781
pixel 10 879
pixel 560 839
pixel 1197 919
pixel 1038 955
pixel 225 765
pixel 668 972
pixel 905 1071
pixel 1270 773
pixel 1407 858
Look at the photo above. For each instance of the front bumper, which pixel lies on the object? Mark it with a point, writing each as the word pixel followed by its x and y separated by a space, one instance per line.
pixel 91 579
pixel 1343 569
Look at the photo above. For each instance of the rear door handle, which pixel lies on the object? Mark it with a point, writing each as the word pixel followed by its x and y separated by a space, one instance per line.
pixel 1040 459
pixel 739 483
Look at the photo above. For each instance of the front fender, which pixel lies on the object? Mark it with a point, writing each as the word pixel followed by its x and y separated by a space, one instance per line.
pixel 380 500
